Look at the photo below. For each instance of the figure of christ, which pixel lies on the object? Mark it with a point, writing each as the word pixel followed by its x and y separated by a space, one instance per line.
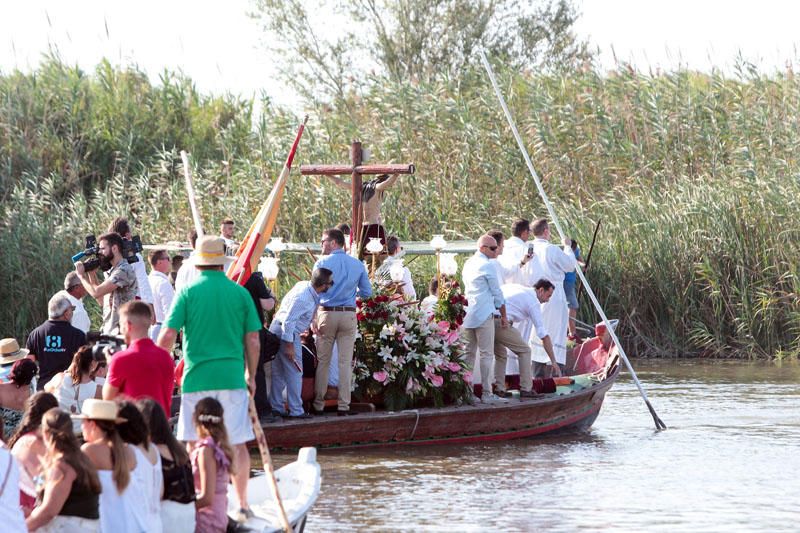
pixel 371 199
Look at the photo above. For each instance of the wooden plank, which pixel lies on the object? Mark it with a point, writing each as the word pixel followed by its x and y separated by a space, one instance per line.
pixel 340 170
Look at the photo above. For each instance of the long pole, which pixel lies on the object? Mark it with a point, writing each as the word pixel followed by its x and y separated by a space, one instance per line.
pixel 658 422
pixel 187 174
pixel 589 256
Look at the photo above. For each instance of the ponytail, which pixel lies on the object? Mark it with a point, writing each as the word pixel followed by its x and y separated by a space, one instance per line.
pixel 121 470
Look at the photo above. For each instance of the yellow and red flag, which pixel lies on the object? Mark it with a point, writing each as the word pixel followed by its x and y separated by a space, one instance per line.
pixel 254 242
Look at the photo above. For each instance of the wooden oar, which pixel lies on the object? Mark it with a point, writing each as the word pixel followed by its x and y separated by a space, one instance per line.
pixel 588 257
pixel 187 174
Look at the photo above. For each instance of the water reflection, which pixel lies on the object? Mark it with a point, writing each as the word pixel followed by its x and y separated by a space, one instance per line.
pixel 730 460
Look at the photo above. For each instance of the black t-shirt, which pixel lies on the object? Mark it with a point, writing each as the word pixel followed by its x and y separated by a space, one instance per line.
pixel 54 343
pixel 258 289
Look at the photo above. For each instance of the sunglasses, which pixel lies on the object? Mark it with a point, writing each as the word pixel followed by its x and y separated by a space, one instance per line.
pixel 492 248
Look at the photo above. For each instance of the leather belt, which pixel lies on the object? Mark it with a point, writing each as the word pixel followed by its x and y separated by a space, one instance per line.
pixel 339 308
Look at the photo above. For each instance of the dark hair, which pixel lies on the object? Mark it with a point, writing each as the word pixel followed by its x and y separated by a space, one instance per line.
pixel 228 221
pixel 156 255
pixel 392 244
pixel 520 226
pixel 136 308
pixel 120 470
pixel 134 429
pixel 208 418
pixel 539 226
pixel 573 244
pixel 320 277
pixel 23 372
pixel 35 408
pixel 433 286
pixel 81 364
pixel 113 239
pixel 336 236
pixel 543 284
pixel 497 235
pixel 120 225
pixel 344 227
pixel 193 237
pixel 58 424
pixel 177 261
pixel 160 432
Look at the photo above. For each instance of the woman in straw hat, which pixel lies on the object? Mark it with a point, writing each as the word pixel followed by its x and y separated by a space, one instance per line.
pixel 71 491
pixel 14 393
pixel 115 461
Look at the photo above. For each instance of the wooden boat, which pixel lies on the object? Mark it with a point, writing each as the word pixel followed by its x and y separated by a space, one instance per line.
pixel 570 408
pixel 298 483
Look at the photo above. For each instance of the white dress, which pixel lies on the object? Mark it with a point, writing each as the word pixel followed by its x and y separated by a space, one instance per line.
pixel 117 510
pixel 147 479
pixel 71 402
pixel 10 512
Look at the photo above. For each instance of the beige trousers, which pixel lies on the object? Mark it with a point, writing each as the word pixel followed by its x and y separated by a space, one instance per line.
pixel 510 338
pixel 339 327
pixel 481 339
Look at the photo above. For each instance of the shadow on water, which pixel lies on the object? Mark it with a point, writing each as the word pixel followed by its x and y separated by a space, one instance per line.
pixel 729 461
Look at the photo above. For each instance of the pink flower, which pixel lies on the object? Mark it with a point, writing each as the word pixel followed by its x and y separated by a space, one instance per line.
pixel 381 377
pixel 453 367
pixel 468 376
pixel 437 381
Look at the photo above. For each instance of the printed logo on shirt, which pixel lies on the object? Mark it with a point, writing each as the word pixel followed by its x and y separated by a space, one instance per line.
pixel 52 343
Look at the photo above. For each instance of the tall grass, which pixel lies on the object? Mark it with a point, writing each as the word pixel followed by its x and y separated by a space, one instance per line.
pixel 695 178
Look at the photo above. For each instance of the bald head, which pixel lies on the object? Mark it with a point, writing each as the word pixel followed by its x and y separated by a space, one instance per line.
pixel 487 246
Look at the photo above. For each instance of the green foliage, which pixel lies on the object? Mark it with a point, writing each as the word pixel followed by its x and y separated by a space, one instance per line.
pixel 694 176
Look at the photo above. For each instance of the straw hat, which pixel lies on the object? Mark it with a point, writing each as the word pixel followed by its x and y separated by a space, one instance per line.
pixel 210 251
pixel 94 409
pixel 10 351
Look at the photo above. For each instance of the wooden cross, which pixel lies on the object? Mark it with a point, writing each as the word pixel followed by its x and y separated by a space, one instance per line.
pixel 356 170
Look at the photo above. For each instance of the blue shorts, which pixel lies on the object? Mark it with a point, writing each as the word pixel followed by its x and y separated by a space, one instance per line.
pixel 572 298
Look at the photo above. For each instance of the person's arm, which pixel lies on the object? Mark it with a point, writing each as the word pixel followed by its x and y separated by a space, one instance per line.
pixel 89 282
pixel 208 477
pixel 52 385
pixel 547 344
pixel 382 186
pixel 503 317
pixel 364 286
pixel 253 348
pixel 339 181
pixel 57 489
pixel 166 338
pixel 110 391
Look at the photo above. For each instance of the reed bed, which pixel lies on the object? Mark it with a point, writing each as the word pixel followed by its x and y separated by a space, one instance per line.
pixel 694 176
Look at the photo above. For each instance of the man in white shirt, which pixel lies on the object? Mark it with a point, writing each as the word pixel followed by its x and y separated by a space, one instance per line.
pixel 163 293
pixel 516 255
pixel 554 263
pixel 74 291
pixel 187 272
pixel 226 232
pixel 482 289
pixel 522 304
pixel 394 250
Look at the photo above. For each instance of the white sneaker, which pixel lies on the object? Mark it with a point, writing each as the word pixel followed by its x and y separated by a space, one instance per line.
pixel 493 398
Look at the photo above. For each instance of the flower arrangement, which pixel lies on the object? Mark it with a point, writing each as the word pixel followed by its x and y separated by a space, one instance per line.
pixel 405 357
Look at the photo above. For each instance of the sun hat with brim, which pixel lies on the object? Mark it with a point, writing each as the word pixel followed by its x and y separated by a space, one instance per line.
pixel 94 409
pixel 10 351
pixel 210 251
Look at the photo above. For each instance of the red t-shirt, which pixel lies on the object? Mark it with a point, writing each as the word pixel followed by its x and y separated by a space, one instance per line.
pixel 144 371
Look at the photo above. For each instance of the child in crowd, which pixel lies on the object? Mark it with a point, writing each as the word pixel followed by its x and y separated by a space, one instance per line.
pixel 212 460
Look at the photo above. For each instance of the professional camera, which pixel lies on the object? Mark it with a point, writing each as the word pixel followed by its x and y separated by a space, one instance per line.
pixel 92 251
pixel 104 344
pixel 132 247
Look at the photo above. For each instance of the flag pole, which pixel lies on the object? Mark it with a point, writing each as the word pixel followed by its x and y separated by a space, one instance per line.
pixel 187 174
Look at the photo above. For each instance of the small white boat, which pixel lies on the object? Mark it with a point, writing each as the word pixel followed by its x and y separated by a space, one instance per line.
pixel 298 484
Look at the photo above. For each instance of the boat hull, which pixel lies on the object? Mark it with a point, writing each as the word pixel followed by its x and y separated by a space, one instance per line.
pixel 517 419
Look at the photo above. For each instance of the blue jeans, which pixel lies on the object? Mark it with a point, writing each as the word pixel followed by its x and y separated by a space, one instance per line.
pixel 286 376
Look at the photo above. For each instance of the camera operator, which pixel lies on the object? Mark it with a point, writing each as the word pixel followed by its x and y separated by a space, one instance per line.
pixel 143 370
pixel 143 292
pixel 119 286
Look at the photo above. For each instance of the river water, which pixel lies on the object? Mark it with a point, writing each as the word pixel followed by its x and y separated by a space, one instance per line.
pixel 730 461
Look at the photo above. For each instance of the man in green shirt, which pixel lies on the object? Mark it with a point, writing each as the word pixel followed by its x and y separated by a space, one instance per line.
pixel 220 325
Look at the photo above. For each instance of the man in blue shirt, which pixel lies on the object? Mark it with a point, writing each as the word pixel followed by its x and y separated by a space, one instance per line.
pixel 336 319
pixel 295 314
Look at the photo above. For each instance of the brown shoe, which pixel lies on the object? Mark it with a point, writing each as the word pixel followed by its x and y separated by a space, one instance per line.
pixel 527 394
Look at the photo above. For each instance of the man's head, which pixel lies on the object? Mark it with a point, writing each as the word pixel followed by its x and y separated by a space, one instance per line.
pixel 226 229
pixel 120 225
pixel 541 229
pixel 60 308
pixel 487 246
pixel 73 285
pixel 521 228
pixel 499 238
pixel 321 279
pixel 159 260
pixel 177 261
pixel 393 245
pixel 134 320
pixel 344 227
pixel 332 239
pixel 433 286
pixel 193 238
pixel 110 245
pixel 544 290
pixel 210 253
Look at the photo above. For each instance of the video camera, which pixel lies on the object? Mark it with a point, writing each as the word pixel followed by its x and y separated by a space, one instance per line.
pixel 103 344
pixel 129 250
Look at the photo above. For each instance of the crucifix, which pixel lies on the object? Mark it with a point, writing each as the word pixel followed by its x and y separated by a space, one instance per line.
pixel 367 196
